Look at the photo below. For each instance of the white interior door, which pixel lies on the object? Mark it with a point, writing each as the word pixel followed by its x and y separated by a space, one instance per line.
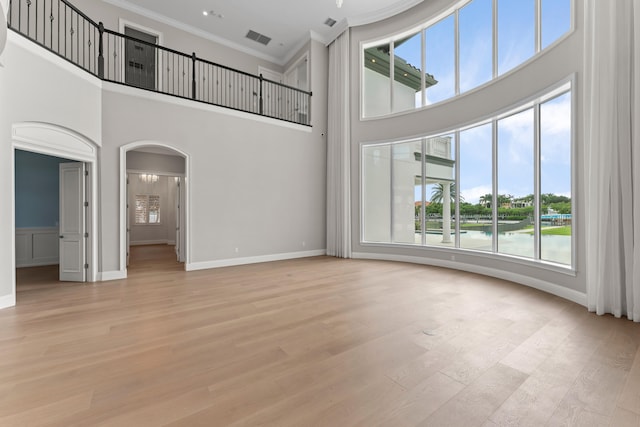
pixel 72 222
pixel 178 216
pixel 128 220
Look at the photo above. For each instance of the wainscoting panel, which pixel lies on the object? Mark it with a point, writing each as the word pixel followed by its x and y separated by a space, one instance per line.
pixel 36 246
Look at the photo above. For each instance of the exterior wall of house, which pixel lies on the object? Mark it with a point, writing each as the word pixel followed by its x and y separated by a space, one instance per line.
pixel 553 65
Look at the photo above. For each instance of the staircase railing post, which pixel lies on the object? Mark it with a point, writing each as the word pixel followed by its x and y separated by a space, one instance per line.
pixel 261 100
pixel 193 75
pixel 101 51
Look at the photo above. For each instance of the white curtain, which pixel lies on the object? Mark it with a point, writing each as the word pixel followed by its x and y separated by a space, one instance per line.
pixel 612 156
pixel 338 151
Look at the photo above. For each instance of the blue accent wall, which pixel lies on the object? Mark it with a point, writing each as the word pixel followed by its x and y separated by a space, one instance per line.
pixel 37 191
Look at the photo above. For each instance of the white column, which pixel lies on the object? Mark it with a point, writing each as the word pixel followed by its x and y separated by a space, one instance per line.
pixel 446 212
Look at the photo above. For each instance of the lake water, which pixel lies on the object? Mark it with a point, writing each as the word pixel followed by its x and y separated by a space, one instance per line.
pixel 553 248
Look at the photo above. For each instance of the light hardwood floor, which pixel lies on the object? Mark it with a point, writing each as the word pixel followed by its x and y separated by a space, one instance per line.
pixel 309 342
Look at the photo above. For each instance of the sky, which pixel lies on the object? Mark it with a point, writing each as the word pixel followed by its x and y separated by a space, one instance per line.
pixel 516 43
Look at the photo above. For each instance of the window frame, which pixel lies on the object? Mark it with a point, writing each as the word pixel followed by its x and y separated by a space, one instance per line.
pixel 567 85
pixel 147 207
pixel 390 39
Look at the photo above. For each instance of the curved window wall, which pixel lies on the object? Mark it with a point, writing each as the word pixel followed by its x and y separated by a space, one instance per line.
pixel 465 48
pixel 501 186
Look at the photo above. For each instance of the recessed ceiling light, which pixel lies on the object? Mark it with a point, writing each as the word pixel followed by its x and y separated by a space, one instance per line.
pixel 206 12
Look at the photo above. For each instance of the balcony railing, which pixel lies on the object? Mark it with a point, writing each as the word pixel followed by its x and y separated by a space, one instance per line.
pixel 64 30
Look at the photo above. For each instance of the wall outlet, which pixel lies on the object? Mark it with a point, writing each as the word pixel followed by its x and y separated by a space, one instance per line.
pixel 304 244
pixel 237 250
pixel 453 257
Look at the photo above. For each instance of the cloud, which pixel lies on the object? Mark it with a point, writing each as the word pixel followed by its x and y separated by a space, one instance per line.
pixel 472 195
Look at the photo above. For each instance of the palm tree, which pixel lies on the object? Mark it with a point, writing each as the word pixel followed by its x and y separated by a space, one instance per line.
pixel 438 191
pixel 486 200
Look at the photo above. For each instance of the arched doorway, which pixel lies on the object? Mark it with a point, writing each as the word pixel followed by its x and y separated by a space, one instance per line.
pixel 145 213
pixel 53 140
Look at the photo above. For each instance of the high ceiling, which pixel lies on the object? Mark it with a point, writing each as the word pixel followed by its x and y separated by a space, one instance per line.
pixel 289 23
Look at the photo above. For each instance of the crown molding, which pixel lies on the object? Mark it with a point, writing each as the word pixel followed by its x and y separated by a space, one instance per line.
pixel 124 4
pixel 387 12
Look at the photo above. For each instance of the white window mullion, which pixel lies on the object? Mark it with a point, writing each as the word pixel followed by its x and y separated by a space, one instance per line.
pixel 423 55
pixel 538 25
pixel 457 184
pixel 494 182
pixel 495 38
pixel 536 181
pixel 423 183
pixel 392 67
pixel 456 32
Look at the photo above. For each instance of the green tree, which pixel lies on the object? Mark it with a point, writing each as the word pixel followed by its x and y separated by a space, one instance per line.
pixel 438 192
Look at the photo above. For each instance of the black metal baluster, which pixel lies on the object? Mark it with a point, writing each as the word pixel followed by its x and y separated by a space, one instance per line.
pixel 260 102
pixel 101 50
pixel 193 77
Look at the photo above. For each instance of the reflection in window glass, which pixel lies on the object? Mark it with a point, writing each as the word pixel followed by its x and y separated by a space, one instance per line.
pixel 440 178
pixel 377 83
pixel 515 184
pixel 407 86
pixel 376 197
pixel 555 180
pixel 556 20
pixel 406 173
pixel 476 201
pixel 516 33
pixel 440 61
pixel 476 44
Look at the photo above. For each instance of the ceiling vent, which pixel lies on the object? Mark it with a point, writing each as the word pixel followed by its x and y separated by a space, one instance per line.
pixel 257 37
pixel 330 22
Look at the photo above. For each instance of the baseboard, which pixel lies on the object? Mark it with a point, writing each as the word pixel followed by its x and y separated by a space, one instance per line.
pixel 38 263
pixel 149 242
pixel 551 288
pixel 105 276
pixel 253 260
pixel 7 301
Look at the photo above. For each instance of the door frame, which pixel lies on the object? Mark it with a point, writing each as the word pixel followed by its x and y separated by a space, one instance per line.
pixel 58 141
pixel 123 199
pixel 122 23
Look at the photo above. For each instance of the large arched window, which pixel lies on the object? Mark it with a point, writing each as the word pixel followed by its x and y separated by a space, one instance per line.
pixel 464 48
pixel 501 186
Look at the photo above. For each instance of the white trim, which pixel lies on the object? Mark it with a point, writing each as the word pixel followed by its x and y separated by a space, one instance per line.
pixel 155 172
pixel 28 235
pixel 395 8
pixel 113 275
pixel 253 260
pixel 122 23
pixel 8 301
pixel 148 242
pixel 551 288
pixel 123 202
pixel 160 97
pixel 53 140
pixel 192 30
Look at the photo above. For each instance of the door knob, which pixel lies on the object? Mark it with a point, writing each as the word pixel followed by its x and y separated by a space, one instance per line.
pixel 62 237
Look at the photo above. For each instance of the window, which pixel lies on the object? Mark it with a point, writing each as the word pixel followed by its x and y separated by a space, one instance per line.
pixel 497 186
pixel 489 37
pixel 147 209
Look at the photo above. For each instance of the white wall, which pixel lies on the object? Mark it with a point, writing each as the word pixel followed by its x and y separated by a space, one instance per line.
pixel 176 39
pixel 552 66
pixel 37 86
pixel 255 184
